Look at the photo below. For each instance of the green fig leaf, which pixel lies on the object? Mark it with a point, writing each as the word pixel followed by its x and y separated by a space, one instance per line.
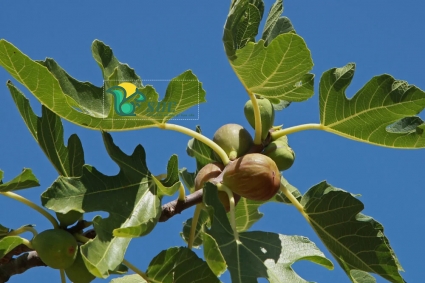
pixel 200 151
pixel 188 179
pixel 47 130
pixel 277 71
pixel 179 265
pixel 247 213
pixel 26 179
pixel 259 254
pixel 213 255
pixel 131 198
pixel 355 240
pixel 275 24
pixel 134 278
pixel 83 104
pixel 8 243
pixel 171 184
pixel 113 71
pixel 382 112
pixel 187 225
pixel 242 25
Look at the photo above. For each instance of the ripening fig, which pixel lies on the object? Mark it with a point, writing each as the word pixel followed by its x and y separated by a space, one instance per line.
pixel 208 172
pixel 234 139
pixel 57 248
pixel 78 272
pixel 266 113
pixel 68 218
pixel 281 154
pixel 254 176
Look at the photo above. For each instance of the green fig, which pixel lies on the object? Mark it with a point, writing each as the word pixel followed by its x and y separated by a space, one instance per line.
pixel 254 176
pixel 234 139
pixel 78 272
pixel 208 172
pixel 56 248
pixel 281 154
pixel 68 218
pixel 266 113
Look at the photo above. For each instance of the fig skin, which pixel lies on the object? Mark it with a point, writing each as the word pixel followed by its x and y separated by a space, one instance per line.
pixel 68 218
pixel 281 154
pixel 254 176
pixel 78 272
pixel 211 171
pixel 266 112
pixel 56 248
pixel 234 139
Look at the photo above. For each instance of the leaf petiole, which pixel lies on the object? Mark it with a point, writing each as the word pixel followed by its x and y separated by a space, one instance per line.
pixel 23 230
pixel 229 193
pixel 33 206
pixel 299 128
pixel 195 219
pixel 294 201
pixel 217 149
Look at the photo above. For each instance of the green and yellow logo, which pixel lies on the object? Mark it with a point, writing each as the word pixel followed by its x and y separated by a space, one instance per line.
pixel 127 98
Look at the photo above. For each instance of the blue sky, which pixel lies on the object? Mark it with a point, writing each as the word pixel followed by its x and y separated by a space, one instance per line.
pixel 162 39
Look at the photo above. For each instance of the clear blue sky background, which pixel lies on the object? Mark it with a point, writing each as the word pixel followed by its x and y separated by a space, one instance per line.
pixel 162 39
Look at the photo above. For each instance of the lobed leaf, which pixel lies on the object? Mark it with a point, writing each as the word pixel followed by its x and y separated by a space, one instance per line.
pixel 86 105
pixel 26 179
pixel 47 131
pixel 355 240
pixel 382 112
pixel 278 71
pixel 131 198
pixel 179 265
pixel 134 278
pixel 259 254
pixel 242 25
pixel 275 24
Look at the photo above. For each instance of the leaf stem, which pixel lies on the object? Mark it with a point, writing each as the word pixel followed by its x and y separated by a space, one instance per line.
pixel 257 117
pixel 224 188
pixel 27 243
pixel 33 206
pixel 135 269
pixel 294 201
pixel 182 193
pixel 291 130
pixel 195 219
pixel 63 278
pixel 217 149
pixel 23 230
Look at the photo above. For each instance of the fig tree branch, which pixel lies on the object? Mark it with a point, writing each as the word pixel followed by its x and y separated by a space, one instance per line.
pixel 19 265
pixel 177 206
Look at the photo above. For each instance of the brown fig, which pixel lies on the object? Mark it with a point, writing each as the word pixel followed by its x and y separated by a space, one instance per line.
pixel 208 172
pixel 234 139
pixel 253 176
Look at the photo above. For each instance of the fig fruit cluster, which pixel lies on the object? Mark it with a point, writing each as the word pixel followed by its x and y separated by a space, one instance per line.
pixel 56 248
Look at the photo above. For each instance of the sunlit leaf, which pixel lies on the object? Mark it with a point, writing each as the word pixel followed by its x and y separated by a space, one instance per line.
pixel 83 104
pixel 275 24
pixel 259 254
pixel 382 112
pixel 24 180
pixel 242 25
pixel 131 198
pixel 180 265
pixel 187 225
pixel 47 130
pixel 355 240
pixel 8 243
pixel 134 278
pixel 277 71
